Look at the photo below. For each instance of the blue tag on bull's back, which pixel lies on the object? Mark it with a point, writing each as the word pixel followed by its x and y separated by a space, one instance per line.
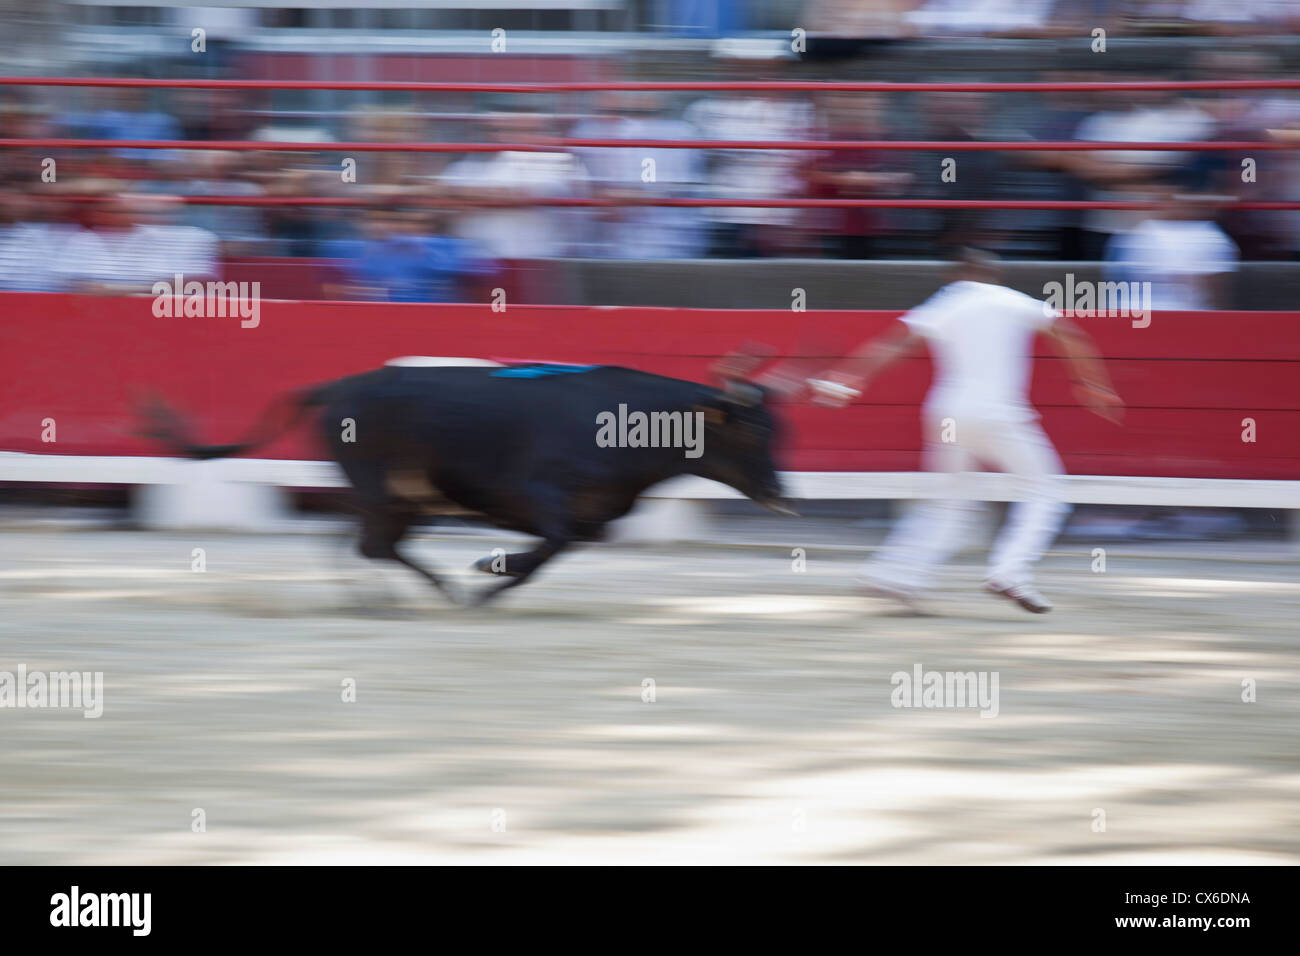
pixel 540 369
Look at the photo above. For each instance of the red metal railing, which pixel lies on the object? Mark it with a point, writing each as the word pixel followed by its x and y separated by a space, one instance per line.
pixel 685 202
pixel 1242 146
pixel 563 144
pixel 631 86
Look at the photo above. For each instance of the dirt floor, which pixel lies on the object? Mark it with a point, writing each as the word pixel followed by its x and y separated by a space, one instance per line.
pixel 522 732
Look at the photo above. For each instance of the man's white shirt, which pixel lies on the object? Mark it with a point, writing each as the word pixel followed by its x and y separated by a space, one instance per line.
pixel 981 338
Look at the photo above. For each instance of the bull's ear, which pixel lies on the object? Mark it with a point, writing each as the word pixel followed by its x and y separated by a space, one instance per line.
pixel 712 414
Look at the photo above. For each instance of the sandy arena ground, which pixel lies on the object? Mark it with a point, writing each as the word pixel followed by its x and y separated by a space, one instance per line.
pixel 518 733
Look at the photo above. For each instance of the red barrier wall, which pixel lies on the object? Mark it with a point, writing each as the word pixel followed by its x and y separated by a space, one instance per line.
pixel 1190 378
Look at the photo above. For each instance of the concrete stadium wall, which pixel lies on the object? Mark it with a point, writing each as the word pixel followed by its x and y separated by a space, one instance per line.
pixel 752 283
pixel 837 284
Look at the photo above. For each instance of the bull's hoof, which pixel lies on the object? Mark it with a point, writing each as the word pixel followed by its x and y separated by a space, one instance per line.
pixel 486 566
pixel 486 596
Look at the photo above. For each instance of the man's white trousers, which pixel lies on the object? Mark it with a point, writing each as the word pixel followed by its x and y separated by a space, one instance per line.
pixel 932 531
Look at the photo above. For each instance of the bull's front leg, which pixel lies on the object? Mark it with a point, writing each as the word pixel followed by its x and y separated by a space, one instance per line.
pixel 508 565
pixel 522 566
pixel 556 528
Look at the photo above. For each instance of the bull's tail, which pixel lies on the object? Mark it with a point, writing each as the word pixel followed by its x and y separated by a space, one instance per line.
pixel 161 423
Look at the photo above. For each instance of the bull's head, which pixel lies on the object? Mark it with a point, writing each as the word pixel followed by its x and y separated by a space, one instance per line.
pixel 741 433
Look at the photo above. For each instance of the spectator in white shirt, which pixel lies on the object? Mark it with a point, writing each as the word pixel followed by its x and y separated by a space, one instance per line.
pixel 507 227
pixel 741 232
pixel 1151 116
pixel 517 176
pixel 132 245
pixel 634 173
pixel 30 248
pixel 1181 251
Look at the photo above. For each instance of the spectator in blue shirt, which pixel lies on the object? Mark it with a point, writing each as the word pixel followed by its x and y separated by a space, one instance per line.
pixel 399 260
pixel 126 114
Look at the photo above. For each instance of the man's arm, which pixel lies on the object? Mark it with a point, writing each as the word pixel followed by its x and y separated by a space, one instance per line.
pixel 849 378
pixel 1087 371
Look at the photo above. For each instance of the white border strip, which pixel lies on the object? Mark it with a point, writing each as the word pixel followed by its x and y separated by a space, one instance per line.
pixel 1076 489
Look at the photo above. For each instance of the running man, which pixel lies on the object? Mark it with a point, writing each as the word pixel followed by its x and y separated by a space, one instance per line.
pixel 980 335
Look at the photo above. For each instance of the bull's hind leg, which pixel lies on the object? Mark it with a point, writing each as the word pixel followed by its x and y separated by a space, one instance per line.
pixel 385 520
pixel 381 530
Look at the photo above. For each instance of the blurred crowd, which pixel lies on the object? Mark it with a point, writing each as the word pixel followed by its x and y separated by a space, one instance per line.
pixel 414 226
pixel 1051 18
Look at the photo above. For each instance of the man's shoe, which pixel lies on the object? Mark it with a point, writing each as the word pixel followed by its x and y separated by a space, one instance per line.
pixel 895 592
pixel 1023 594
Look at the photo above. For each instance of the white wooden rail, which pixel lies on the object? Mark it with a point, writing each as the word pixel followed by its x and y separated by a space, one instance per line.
pixel 244 493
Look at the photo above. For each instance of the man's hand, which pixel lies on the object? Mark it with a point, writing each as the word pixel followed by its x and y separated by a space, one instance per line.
pixel 1087 371
pixel 834 389
pixel 848 379
pixel 1100 400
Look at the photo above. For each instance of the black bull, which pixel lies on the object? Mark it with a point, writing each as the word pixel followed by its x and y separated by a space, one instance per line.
pixel 515 446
